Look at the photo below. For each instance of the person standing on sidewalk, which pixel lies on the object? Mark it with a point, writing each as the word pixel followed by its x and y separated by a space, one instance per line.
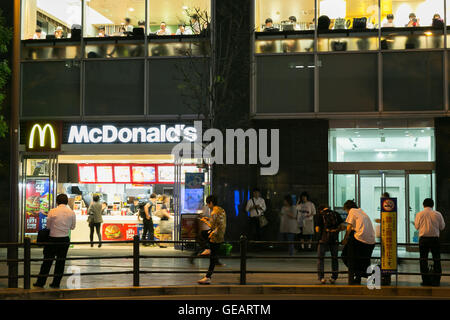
pixel 218 224
pixel 360 242
pixel 288 224
pixel 328 225
pixel 95 219
pixel 306 211
pixel 60 221
pixel 256 206
pixel 429 223
pixel 145 213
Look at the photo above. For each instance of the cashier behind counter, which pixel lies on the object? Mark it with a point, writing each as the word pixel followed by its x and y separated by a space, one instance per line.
pixel 134 208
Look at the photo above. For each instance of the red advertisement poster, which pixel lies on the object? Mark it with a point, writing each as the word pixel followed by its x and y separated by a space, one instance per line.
pixel 119 231
pixel 36 204
pixel 189 226
pixel 32 222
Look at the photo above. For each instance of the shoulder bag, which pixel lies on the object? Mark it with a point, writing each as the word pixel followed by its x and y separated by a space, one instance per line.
pixel 43 236
pixel 262 220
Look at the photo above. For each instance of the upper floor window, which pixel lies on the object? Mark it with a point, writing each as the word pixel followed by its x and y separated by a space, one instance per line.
pixel 284 15
pixel 50 19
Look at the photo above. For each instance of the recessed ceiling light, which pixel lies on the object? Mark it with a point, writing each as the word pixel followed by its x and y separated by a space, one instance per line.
pixel 131 9
pixel 385 150
pixel 185 7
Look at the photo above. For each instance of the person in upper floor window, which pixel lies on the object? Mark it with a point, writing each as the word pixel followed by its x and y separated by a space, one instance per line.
pixel 389 22
pixel 182 30
pixel 306 211
pixel 429 223
pixel 269 26
pixel 141 24
pixel 102 32
pixel 413 21
pixel 59 34
pixel 256 206
pixel 437 21
pixel 39 34
pixel 293 20
pixel 195 24
pixel 128 26
pixel 163 31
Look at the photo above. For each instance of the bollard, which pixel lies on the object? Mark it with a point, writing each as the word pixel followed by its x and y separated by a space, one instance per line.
pixel 136 261
pixel 26 263
pixel 243 247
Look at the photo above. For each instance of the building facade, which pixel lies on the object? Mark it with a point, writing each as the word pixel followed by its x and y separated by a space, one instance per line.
pixel 361 101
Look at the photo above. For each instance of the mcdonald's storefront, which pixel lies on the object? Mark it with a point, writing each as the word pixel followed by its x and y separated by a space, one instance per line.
pixel 122 163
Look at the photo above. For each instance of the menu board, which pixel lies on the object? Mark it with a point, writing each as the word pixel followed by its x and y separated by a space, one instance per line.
pixel 104 174
pixel 36 204
pixel 86 174
pixel 166 174
pixel 122 174
pixel 143 174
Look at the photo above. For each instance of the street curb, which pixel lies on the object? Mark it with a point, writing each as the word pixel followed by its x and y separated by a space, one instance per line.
pixel 344 291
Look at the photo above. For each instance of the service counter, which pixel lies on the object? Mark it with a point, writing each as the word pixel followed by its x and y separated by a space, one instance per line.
pixel 114 228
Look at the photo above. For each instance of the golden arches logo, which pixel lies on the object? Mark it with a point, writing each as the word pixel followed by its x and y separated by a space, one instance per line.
pixel 42 135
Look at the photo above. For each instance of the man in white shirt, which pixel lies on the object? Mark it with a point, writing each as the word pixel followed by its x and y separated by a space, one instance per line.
pixel 60 221
pixel 429 223
pixel 359 246
pixel 183 31
pixel 163 31
pixel 256 206
pixel 39 34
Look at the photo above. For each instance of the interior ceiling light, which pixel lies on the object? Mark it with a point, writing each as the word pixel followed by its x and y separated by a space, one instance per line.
pixel 185 7
pixel 385 150
pixel 131 9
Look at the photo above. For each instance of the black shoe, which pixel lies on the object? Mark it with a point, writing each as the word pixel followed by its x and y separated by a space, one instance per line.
pixel 92 245
pixel 54 286
pixel 99 245
pixel 37 285
pixel 425 284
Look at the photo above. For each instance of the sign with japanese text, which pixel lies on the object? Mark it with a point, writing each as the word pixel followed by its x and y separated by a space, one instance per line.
pixel 389 234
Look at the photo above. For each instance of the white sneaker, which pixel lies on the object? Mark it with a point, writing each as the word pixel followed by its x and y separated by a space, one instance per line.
pixel 205 280
pixel 332 281
pixel 206 252
pixel 323 281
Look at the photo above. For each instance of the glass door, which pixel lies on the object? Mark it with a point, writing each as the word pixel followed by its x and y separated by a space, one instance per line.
pixel 395 185
pixel 344 186
pixel 420 188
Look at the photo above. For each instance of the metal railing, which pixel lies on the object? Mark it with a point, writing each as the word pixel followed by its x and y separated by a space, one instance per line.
pixel 136 256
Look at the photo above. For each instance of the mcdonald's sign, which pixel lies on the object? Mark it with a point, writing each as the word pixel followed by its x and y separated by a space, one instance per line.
pixel 44 136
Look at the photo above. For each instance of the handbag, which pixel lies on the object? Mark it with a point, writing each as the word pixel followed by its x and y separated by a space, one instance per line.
pixel 43 236
pixel 262 220
pixel 359 23
pixel 165 227
pixel 225 249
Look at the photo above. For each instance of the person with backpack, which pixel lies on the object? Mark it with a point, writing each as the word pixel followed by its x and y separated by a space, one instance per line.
pixel 145 213
pixel 328 225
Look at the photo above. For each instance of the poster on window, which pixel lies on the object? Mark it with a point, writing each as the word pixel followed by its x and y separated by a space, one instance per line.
pixel 119 231
pixel 388 234
pixel 189 226
pixel 36 204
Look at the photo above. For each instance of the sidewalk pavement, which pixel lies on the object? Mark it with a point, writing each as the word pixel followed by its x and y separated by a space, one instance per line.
pixel 186 283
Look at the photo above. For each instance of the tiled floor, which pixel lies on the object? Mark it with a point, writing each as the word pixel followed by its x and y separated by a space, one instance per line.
pixel 181 266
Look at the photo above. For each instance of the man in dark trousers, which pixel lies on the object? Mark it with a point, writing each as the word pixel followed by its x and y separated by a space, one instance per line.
pixel 60 221
pixel 429 223
pixel 145 213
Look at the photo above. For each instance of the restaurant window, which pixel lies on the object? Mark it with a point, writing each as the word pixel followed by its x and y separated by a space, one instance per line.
pixel 285 15
pixel 113 18
pixel 178 17
pixel 408 13
pixel 347 25
pixel 43 19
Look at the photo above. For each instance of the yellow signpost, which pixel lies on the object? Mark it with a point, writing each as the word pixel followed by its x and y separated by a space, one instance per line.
pixel 389 234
